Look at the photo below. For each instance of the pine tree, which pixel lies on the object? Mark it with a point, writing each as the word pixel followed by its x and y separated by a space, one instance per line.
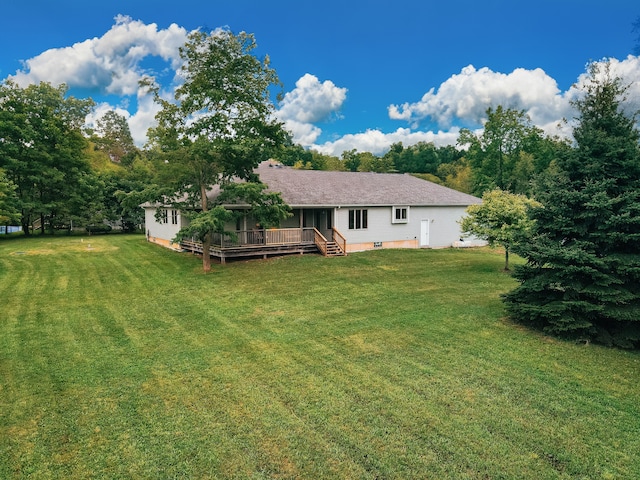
pixel 582 275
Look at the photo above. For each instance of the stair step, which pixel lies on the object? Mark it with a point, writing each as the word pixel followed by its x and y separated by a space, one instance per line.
pixel 333 250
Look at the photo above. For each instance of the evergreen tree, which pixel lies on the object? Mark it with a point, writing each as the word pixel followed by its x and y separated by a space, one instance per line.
pixel 582 275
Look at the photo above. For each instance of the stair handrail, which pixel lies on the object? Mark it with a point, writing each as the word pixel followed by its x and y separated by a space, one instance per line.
pixel 340 240
pixel 320 241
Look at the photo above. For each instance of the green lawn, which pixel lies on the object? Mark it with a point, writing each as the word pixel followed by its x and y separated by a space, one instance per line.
pixel 120 359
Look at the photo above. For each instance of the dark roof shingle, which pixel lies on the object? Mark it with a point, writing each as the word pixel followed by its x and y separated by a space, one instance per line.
pixel 331 188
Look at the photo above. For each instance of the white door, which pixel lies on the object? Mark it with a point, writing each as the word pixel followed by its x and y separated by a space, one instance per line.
pixel 424 233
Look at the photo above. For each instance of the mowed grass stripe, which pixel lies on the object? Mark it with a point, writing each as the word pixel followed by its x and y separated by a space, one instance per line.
pixel 128 362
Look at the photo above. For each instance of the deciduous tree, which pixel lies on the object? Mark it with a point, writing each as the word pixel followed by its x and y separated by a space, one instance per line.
pixel 456 175
pixel 371 163
pixel 351 160
pixel 502 219
pixel 494 154
pixel 113 136
pixel 42 150
pixel 218 127
pixel 9 213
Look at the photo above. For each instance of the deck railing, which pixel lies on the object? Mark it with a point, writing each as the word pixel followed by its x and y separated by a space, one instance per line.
pixel 269 242
pixel 285 236
pixel 270 236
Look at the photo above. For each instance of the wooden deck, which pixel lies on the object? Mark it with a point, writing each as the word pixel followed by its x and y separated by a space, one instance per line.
pixel 267 242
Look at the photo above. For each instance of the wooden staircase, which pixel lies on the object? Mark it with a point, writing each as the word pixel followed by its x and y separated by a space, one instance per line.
pixel 331 248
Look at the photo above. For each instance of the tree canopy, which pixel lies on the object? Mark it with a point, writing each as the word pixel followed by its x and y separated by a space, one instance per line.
pixel 218 127
pixel 502 219
pixel 582 275
pixel 8 201
pixel 42 152
pixel 508 153
pixel 113 136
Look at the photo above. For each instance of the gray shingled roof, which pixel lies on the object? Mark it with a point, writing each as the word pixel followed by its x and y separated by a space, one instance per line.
pixel 316 188
pixel 319 188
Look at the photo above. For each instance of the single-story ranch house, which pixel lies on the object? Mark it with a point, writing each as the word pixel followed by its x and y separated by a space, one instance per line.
pixel 334 213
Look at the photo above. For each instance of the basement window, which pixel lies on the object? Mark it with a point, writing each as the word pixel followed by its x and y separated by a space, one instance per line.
pixel 400 215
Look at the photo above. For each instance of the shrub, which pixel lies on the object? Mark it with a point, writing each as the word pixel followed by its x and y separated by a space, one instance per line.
pixel 102 228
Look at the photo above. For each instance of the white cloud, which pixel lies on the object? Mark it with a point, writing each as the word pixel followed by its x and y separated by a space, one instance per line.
pixel 143 118
pixel 378 143
pixel 304 134
pixel 100 109
pixel 467 95
pixel 139 122
pixel 311 101
pixel 113 65
pixel 109 64
pixel 464 97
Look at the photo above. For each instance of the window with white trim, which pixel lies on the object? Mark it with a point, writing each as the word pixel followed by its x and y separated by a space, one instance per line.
pixel 174 217
pixel 357 219
pixel 164 216
pixel 400 215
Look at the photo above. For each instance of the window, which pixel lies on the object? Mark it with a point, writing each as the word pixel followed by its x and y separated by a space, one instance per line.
pixel 164 216
pixel 357 219
pixel 400 215
pixel 174 217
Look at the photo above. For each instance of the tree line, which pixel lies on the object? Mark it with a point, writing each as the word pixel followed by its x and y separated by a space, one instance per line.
pixel 54 173
pixel 571 210
pixel 507 153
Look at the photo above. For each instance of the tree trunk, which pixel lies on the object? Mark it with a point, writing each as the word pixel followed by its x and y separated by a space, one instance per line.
pixel 206 241
pixel 206 257
pixel 25 220
pixel 506 259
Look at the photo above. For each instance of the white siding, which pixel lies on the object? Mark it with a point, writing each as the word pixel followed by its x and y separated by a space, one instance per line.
pixel 381 231
pixel 161 230
pixel 443 232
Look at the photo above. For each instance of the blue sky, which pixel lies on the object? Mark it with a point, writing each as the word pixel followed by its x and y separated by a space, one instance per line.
pixel 356 74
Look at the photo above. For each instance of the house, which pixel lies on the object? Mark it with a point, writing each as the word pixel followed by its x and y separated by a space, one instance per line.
pixel 335 212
